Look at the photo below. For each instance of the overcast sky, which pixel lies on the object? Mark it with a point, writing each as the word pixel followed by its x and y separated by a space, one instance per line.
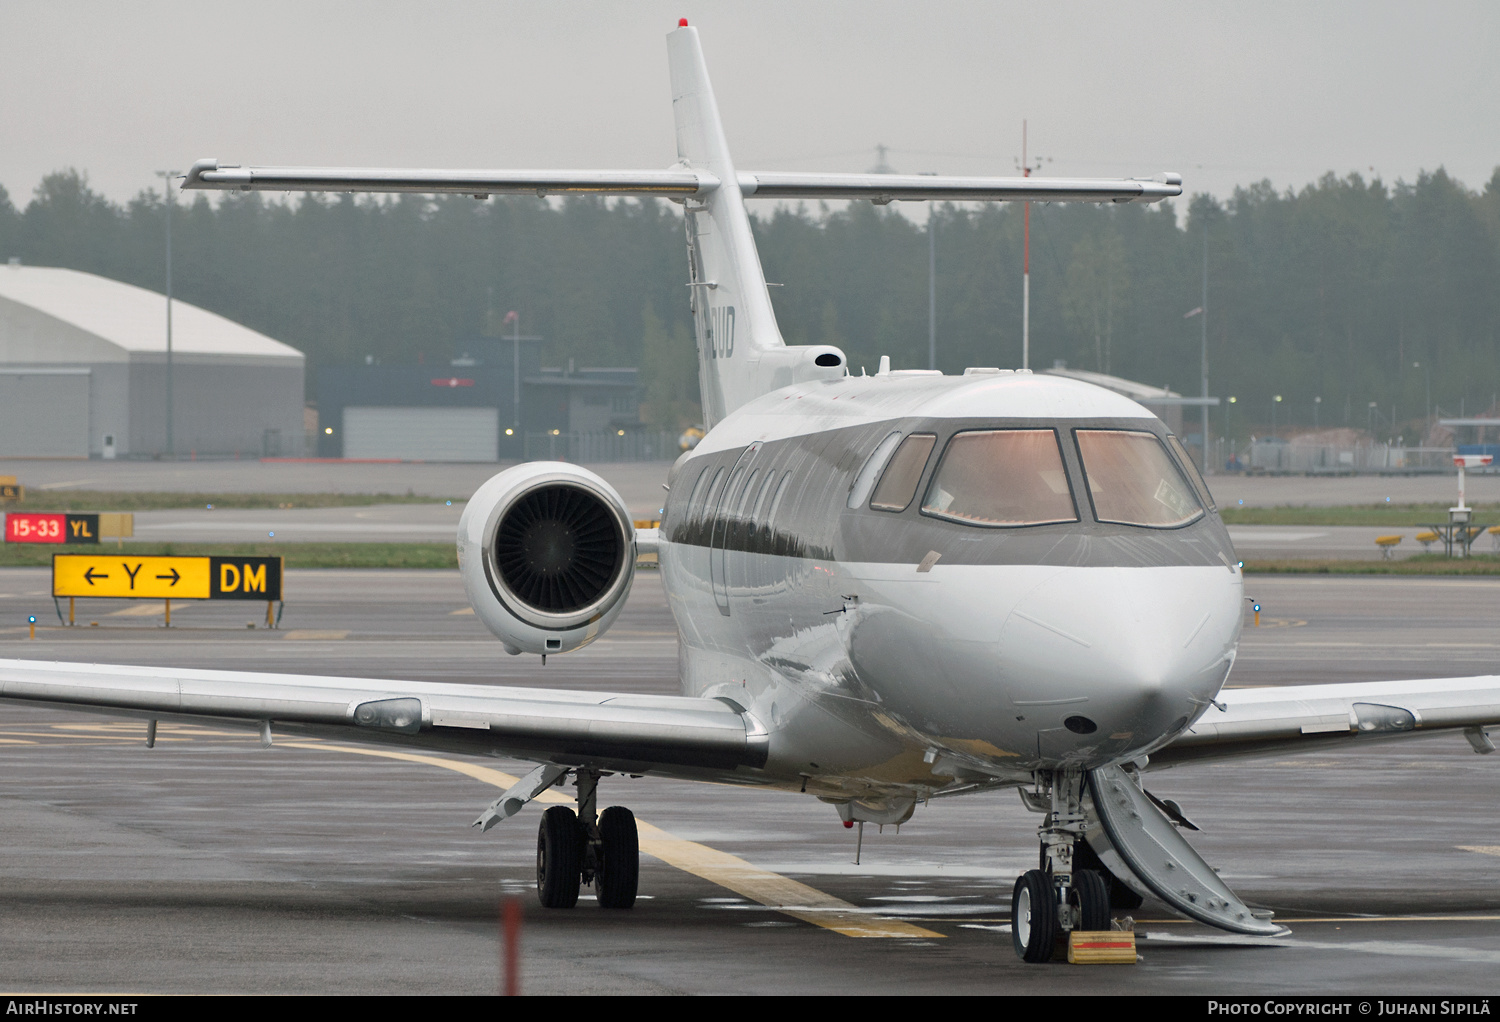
pixel 1225 93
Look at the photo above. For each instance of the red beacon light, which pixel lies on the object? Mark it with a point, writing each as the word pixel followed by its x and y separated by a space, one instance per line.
pixel 682 23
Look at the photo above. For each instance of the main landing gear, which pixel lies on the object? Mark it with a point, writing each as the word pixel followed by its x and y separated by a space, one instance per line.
pixel 1049 902
pixel 588 847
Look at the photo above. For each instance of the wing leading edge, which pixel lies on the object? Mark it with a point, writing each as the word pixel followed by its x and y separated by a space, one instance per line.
pixel 1255 721
pixel 608 731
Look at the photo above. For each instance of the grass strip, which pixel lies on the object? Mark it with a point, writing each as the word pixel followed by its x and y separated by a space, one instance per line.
pixel 297 555
pixel 1390 516
pixel 1422 564
pixel 146 500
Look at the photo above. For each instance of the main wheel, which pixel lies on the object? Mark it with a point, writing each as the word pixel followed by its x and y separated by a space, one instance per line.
pixel 559 858
pixel 620 873
pixel 1033 916
pixel 1091 894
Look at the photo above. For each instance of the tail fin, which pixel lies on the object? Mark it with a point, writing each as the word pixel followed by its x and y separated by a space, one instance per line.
pixel 741 354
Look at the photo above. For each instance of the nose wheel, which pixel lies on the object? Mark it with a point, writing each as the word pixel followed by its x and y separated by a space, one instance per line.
pixel 587 848
pixel 1034 916
pixel 1049 902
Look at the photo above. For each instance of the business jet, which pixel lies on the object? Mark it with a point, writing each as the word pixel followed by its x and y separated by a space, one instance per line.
pixel 888 588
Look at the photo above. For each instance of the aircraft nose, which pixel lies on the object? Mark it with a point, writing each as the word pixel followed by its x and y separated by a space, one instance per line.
pixel 1119 655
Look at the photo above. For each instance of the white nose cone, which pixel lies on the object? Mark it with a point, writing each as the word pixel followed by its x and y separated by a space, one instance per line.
pixel 1130 649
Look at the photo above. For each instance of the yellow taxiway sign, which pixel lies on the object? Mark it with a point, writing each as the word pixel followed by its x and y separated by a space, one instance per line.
pixel 167 578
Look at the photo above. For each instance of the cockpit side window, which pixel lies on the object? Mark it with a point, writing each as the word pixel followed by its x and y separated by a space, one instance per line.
pixel 1132 480
pixel 898 485
pixel 859 490
pixel 1002 478
pixel 1194 476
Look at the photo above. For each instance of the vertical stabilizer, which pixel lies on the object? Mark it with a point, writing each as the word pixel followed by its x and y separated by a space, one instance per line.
pixel 740 351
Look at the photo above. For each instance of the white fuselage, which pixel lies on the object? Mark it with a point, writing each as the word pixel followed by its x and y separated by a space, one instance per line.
pixel 1070 643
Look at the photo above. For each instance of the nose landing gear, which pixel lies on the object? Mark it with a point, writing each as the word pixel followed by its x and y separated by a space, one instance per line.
pixel 1049 902
pixel 602 849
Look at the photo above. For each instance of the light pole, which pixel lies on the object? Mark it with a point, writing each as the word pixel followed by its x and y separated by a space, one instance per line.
pixel 1026 266
pixel 932 286
pixel 514 318
pixel 1370 421
pixel 1427 373
pixel 1226 425
pixel 1026 169
pixel 1274 402
pixel 1317 404
pixel 167 176
pixel 1203 326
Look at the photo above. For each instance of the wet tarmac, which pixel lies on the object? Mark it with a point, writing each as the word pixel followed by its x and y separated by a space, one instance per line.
pixel 210 864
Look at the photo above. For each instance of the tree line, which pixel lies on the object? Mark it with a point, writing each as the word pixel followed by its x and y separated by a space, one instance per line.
pixel 1351 291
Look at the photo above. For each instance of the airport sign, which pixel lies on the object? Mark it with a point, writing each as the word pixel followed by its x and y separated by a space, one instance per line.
pixel 50 527
pixel 167 578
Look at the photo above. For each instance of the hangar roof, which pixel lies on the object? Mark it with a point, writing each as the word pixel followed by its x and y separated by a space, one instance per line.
pixel 124 316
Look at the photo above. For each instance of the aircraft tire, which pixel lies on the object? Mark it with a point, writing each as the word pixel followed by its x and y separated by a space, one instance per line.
pixel 1091 894
pixel 559 858
pixel 620 873
pixel 1033 916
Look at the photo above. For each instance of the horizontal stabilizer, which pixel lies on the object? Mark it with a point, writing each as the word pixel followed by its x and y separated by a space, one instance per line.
pixel 881 188
pixel 680 183
pixel 677 183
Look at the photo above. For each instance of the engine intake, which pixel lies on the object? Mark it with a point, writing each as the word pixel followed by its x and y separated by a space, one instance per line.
pixel 547 553
pixel 558 548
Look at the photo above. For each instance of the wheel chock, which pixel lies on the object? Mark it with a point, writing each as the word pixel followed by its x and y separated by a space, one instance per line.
pixel 1107 947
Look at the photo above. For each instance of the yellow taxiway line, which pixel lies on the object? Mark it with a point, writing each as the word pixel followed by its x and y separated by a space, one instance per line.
pixel 773 890
pixel 785 895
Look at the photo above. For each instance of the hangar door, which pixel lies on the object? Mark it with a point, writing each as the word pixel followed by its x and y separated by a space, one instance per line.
pixel 44 413
pixel 422 434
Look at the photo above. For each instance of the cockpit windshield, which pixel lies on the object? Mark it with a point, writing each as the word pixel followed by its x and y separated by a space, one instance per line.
pixel 1002 477
pixel 1132 480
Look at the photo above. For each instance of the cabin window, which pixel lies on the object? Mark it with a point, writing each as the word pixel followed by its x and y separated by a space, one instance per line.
pixel 859 492
pixel 691 506
pixel 760 500
pixel 1194 476
pixel 705 510
pixel 724 509
pixel 746 494
pixel 899 483
pixel 776 500
pixel 1132 480
pixel 1002 477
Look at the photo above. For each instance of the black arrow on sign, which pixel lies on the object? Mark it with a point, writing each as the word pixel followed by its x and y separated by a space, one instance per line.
pixel 90 574
pixel 174 576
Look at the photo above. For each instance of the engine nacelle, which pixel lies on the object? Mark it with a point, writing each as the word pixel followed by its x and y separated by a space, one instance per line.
pixel 547 553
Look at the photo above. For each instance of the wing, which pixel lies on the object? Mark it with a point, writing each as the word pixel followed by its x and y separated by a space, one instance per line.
pixel 1253 721
pixel 608 731
pixel 678 183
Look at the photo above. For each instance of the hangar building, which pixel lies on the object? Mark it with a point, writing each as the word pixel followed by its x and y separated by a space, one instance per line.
pixel 479 407
pixel 83 373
